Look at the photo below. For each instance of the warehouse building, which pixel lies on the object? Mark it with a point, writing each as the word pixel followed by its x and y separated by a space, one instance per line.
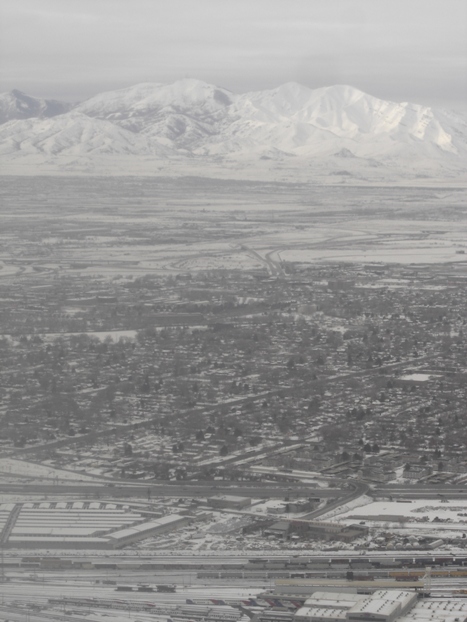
pixel 384 605
pixel 80 525
pixel 320 614
pixel 337 600
pixel 156 527
pixel 381 606
pixel 305 588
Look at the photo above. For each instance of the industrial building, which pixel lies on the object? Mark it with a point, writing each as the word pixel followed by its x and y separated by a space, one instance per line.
pixel 80 525
pixel 123 537
pixel 305 588
pixel 336 600
pixel 381 606
pixel 229 502
pixel 284 529
pixel 295 507
pixel 327 530
pixel 319 614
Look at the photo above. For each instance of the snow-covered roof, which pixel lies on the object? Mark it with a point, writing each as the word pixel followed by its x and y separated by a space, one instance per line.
pixel 320 612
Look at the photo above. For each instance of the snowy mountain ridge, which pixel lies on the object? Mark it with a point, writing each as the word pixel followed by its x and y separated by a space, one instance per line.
pixel 192 119
pixel 18 105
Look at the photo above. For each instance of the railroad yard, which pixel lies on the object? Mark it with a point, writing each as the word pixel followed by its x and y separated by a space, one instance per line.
pixel 177 584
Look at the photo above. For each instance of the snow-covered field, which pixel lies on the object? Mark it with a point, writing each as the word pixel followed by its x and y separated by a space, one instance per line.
pixel 421 517
pixel 455 510
pixel 115 335
pixel 11 466
pixel 168 226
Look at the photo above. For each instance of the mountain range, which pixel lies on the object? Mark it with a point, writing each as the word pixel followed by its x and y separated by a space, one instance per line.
pixel 192 121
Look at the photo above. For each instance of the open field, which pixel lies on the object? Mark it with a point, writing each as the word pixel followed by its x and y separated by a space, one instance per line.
pixel 129 227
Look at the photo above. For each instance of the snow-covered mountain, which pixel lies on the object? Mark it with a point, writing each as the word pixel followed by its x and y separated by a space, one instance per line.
pixel 326 120
pixel 183 114
pixel 74 134
pixel 18 105
pixel 192 119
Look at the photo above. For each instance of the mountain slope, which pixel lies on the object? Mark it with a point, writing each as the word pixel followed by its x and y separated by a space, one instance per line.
pixel 76 134
pixel 322 121
pixel 292 118
pixel 181 113
pixel 18 105
pixel 193 119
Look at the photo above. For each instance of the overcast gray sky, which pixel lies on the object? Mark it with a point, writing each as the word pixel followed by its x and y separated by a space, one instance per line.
pixel 404 50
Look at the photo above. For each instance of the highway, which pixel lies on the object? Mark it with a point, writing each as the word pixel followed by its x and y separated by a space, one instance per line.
pixel 357 490
pixel 421 491
pixel 349 490
pixel 182 489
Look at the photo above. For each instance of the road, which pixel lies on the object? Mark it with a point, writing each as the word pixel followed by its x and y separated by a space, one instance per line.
pixel 421 491
pixel 183 489
pixel 357 490
pixel 274 268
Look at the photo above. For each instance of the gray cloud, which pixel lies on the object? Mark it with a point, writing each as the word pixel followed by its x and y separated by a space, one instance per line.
pixel 397 49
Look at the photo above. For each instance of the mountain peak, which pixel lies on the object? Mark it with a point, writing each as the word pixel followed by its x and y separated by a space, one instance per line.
pixel 17 93
pixel 344 93
pixel 346 89
pixel 17 105
pixel 291 87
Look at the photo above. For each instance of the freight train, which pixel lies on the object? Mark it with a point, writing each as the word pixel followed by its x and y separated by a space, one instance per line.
pixel 289 564
pixel 145 588
pixel 182 612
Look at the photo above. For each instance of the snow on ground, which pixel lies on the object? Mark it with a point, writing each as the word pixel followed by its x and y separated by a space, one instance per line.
pixel 428 254
pixel 428 509
pixel 425 517
pixel 310 477
pixel 12 466
pixel 115 335
pixel 417 377
pixel 348 507
pixel 442 610
pixel 8 270
pixel 271 505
